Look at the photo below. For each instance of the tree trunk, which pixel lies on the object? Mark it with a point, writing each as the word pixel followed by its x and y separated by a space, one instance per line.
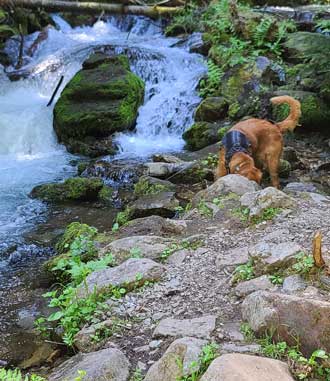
pixel 92 7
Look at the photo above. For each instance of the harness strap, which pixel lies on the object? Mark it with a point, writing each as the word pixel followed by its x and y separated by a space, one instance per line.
pixel 235 141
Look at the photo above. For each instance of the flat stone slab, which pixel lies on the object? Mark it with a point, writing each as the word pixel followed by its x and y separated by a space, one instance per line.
pixel 234 257
pixel 260 283
pixel 201 327
pixel 132 273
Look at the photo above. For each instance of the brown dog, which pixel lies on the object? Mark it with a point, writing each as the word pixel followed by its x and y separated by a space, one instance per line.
pixel 254 145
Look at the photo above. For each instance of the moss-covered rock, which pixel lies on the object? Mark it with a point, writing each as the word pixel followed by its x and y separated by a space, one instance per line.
pixel 151 185
pixel 73 231
pixel 315 113
pixel 212 109
pixel 201 134
pixel 101 99
pixel 73 189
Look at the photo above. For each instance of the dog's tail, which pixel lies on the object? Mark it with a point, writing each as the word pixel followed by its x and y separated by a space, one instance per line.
pixel 290 123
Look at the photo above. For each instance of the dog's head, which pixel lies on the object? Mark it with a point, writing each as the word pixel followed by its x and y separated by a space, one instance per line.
pixel 243 164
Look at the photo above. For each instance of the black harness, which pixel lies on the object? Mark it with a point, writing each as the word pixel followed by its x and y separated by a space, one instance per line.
pixel 235 141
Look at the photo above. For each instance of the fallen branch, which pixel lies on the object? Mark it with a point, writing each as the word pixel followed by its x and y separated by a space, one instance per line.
pixel 92 7
pixel 55 91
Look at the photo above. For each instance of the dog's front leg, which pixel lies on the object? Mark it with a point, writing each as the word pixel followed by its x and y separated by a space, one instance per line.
pixel 221 168
pixel 273 165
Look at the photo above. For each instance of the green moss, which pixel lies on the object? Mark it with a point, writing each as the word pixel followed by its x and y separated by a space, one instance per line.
pixel 100 100
pixel 74 189
pixel 222 132
pixel 72 231
pixel 143 187
pixel 105 195
pixel 200 135
pixel 233 110
pixel 123 217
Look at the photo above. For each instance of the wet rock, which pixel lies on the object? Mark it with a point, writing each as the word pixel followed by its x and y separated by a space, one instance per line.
pixel 163 170
pixel 74 189
pixel 306 316
pixel 153 225
pixel 39 357
pixel 268 257
pixel 198 45
pixel 242 367
pixel 130 274
pixel 105 365
pixel 294 283
pixel 211 109
pixel 236 184
pixel 163 204
pixel 198 327
pixel 85 340
pixel 101 99
pixel 145 246
pixel 270 197
pixel 164 158
pixel 261 283
pixel 201 134
pixel 176 361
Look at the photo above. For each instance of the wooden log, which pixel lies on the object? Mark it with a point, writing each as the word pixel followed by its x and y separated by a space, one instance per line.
pixel 317 250
pixel 154 11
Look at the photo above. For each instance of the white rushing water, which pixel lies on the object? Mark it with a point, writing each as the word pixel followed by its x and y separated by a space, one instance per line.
pixel 29 152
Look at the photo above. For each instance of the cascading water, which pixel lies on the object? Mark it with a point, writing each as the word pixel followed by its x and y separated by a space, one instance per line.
pixel 29 152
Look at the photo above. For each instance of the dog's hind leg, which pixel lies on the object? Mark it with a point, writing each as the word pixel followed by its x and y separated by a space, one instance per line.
pixel 273 162
pixel 221 168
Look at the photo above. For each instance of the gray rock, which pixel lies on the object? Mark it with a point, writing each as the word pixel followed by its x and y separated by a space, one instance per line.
pixel 176 361
pixel 294 283
pixel 105 365
pixel 83 340
pixel 146 246
pixel 300 187
pixel 130 274
pixel 153 225
pixel 240 348
pixel 164 158
pixel 232 331
pixel 234 257
pixel 241 367
pixel 305 316
pixel 269 197
pixel 260 283
pixel 198 327
pixel 268 257
pixel 225 185
pixel 163 204
pixel 163 170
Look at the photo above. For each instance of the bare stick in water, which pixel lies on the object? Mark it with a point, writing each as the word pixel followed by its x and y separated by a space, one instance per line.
pixel 55 91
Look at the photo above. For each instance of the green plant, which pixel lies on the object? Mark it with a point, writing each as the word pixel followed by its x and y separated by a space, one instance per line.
pixel 143 187
pixel 270 348
pixel 267 214
pixel 16 375
pixel 135 252
pixel 323 26
pixel 179 246
pixel 244 272
pixel 211 160
pixel 209 85
pixel 204 209
pixel 304 263
pixel 197 369
pixel 185 21
pixel 137 375
pixel 123 217
pixel 241 213
pixel 276 279
pixel 247 331
pixel 81 375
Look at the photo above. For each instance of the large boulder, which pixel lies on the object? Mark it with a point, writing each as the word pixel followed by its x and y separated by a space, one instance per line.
pixel 211 109
pixel 150 247
pixel 176 361
pixel 235 184
pixel 163 204
pixel 73 189
pixel 105 365
pixel 201 134
pixel 101 99
pixel 291 317
pixel 241 367
pixel 258 202
pixel 133 273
